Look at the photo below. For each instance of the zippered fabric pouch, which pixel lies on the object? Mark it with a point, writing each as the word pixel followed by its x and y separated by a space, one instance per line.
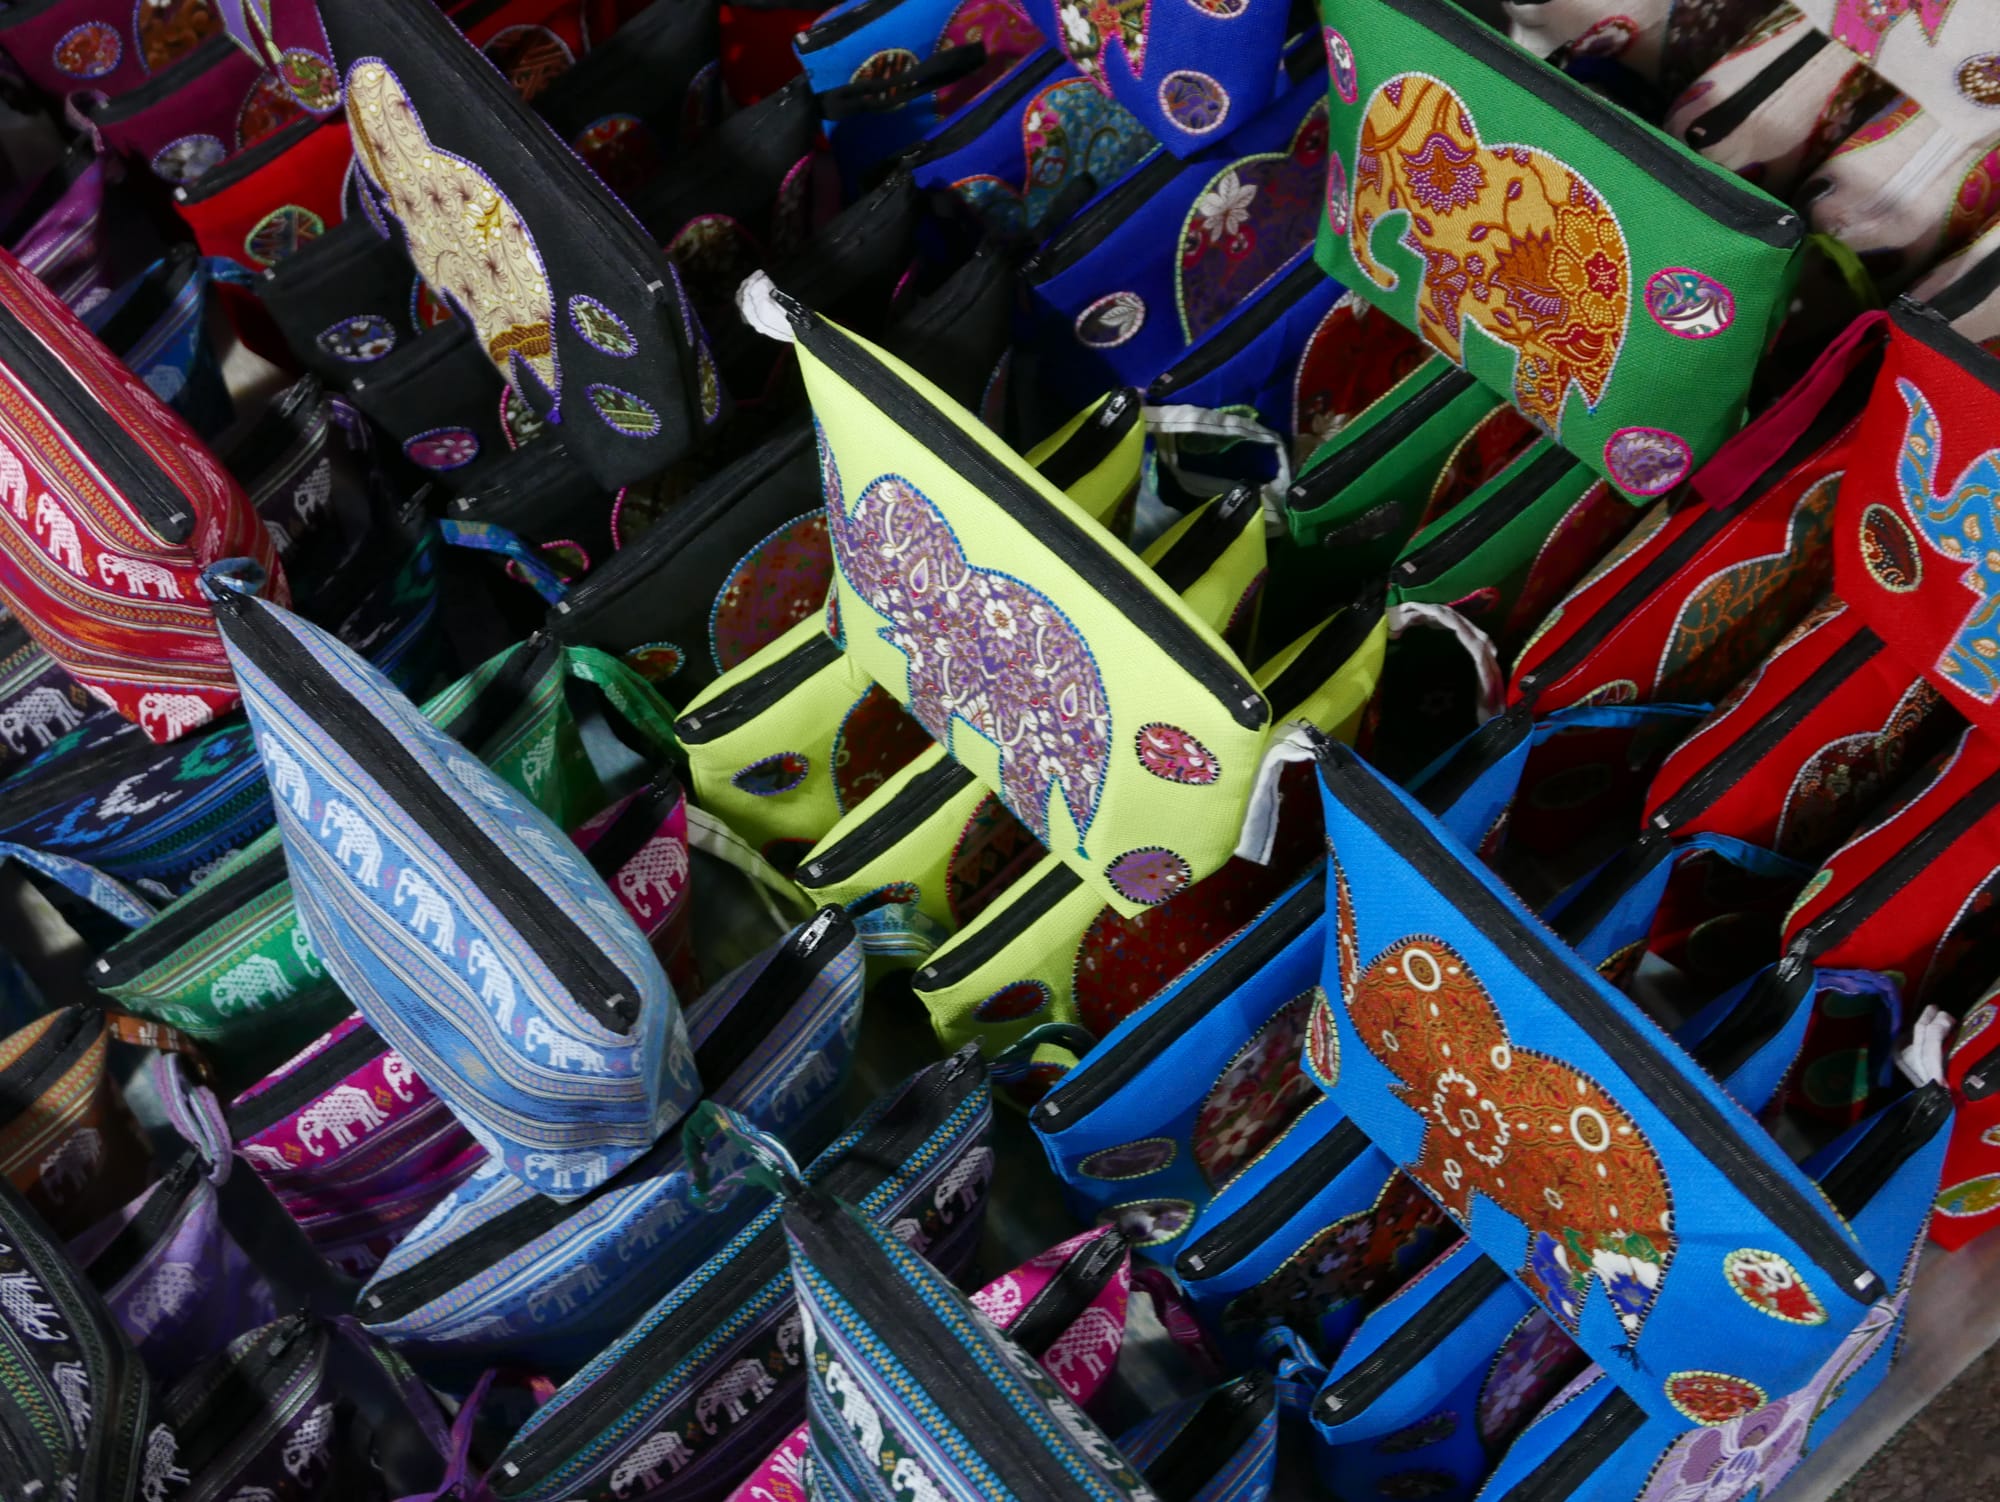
pixel 1416 917
pixel 539 494
pixel 714 1375
pixel 639 845
pixel 1941 60
pixel 39 702
pixel 353 1145
pixel 400 844
pixel 1664 41
pixel 92 1417
pixel 440 402
pixel 113 508
pixel 157 324
pixel 1669 273
pixel 1221 1446
pixel 1968 1203
pixel 1727 1435
pixel 1318 1230
pixel 1017 157
pixel 67 1141
pixel 1115 636
pixel 1776 105
pixel 1214 558
pixel 960 333
pixel 213 102
pixel 623 346
pixel 59 45
pixel 343 301
pixel 498 1274
pixel 1170 252
pixel 1961 288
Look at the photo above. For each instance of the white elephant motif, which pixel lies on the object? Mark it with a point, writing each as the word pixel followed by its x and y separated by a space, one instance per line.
pixel 175 713
pixel 790 1463
pixel 288 778
pixel 64 545
pixel 311 1441
pixel 346 1112
pixel 399 1076
pixel 429 911
pixel 19 1301
pixel 660 866
pixel 567 1292
pixel 261 1156
pixel 120 800
pixel 855 1408
pixel 159 1475
pixel 357 838
pixel 537 760
pixel 314 490
pixel 302 950
pixel 13 482
pixel 667 1211
pixel 563 1049
pixel 1086 1343
pixel 171 1289
pixel 198 874
pixel 563 1167
pixel 496 982
pixel 965 1181
pixel 45 713
pixel 790 1336
pixel 910 1477
pixel 477 781
pixel 1000 1300
pixel 666 1448
pixel 72 1380
pixel 281 540
pixel 804 1085
pixel 140 575
pixel 740 1388
pixel 66 1169
pixel 563 859
pixel 253 983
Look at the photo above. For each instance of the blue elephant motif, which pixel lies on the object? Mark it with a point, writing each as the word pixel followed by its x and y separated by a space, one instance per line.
pixel 1964 525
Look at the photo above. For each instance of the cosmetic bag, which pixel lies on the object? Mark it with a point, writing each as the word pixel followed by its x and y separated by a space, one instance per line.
pixel 1970 1192
pixel 1221 1446
pixel 68 1143
pixel 1667 41
pixel 1394 869
pixel 1172 249
pixel 439 401
pixel 81 240
pixel 1040 136
pixel 478 859
pixel 1727 1436
pixel 1960 289
pixel 960 334
pixel 157 324
pixel 639 845
pixel 713 1375
pixel 1777 104
pixel 1634 330
pixel 343 301
pixel 59 45
pixel 1214 559
pixel 624 346
pixel 178 124
pixel 113 508
pixel 1941 58
pixel 497 1274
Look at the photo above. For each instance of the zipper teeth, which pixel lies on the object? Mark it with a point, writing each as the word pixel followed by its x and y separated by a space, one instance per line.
pixel 245 1380
pixel 244 163
pixel 1474 758
pixel 1219 1428
pixel 631 831
pixel 143 1232
pixel 1751 1023
pixel 1715 193
pixel 754 695
pixel 1326 652
pixel 309 1080
pixel 1354 1391
pixel 1277 1202
pixel 57 1045
pixel 1532 949
pixel 605 993
pixel 1721 122
pixel 1013 921
pixel 826 33
pixel 1266 937
pixel 920 798
pixel 1097 220
pixel 1076 1283
pixel 1897 1136
pixel 1244 328
pixel 203 56
pixel 1080 546
pixel 969 125
pixel 1321 485
pixel 1207 539
pixel 1558 1477
pixel 1093 443
pixel 1928 327
pixel 1450 547
pixel 1726 769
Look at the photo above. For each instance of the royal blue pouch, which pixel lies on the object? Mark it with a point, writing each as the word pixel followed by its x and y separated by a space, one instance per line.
pixel 456 916
pixel 1041 134
pixel 1221 1446
pixel 1182 1094
pixel 1724 1437
pixel 1171 251
pixel 497 1274
pixel 1589 1125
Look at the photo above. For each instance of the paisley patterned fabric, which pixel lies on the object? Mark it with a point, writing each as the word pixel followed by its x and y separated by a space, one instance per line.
pixel 1069 129
pixel 1251 221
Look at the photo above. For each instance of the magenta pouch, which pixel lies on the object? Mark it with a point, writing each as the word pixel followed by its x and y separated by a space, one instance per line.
pixel 639 845
pixel 107 45
pixel 193 116
pixel 79 238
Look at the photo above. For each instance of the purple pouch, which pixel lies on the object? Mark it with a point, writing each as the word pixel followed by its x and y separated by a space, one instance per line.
pixel 107 45
pixel 210 105
pixel 83 241
pixel 353 1145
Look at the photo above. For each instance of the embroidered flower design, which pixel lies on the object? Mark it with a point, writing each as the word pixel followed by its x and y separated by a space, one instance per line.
pixel 1589 266
pixel 1080 39
pixel 1225 207
pixel 1444 175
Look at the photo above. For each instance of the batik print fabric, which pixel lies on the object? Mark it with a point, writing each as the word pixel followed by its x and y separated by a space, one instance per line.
pixel 104 45
pixel 100 551
pixel 1945 54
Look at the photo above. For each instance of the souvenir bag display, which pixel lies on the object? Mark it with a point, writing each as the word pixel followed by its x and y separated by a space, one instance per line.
pixel 67 1142
pixel 113 507
pixel 580 314
pixel 1669 273
pixel 180 123
pixel 342 302
pixel 1939 54
pixel 438 399
pixel 498 1274
pixel 158 326
pixel 400 844
pixel 60 45
pixel 714 1375
pixel 1670 41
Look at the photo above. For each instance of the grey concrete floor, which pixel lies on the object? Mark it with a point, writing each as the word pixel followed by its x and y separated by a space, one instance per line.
pixel 1950 1452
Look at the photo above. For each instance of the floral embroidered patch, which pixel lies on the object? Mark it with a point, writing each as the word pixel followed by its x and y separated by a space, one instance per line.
pixel 281 233
pixel 1111 320
pixel 1172 755
pixel 443 448
pixel 655 661
pixel 1534 1361
pixel 623 412
pixel 1366 1256
pixel 1689 305
pixel 184 160
pixel 1023 998
pixel 1252 219
pixel 1149 1222
pixel 620 149
pixel 1647 461
pixel 1257 1095
pixel 88 51
pixel 313 80
pixel 359 340
pixel 1771 1285
pixel 1193 101
pixel 772 587
pixel 266 109
pixel 1889 550
pixel 600 328
pixel 1130 1160
pixel 1340 67
pixel 1713 1397
pixel 876 738
pixel 993 849
pixel 1151 874
pixel 780 772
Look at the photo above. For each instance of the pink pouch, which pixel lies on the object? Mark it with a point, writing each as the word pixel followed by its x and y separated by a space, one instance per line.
pixel 639 845
pixel 207 107
pixel 107 45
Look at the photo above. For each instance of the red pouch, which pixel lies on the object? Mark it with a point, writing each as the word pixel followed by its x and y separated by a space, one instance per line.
pixel 1969 1203
pixel 183 123
pixel 531 42
pixel 757 56
pixel 107 45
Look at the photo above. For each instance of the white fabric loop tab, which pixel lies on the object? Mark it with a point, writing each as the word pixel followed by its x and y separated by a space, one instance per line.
pixel 757 301
pixel 1478 646
pixel 1295 742
pixel 1169 424
pixel 1922 1061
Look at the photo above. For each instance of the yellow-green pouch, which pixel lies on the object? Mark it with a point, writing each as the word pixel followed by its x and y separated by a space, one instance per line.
pixel 1095 459
pixel 1050 949
pixel 1026 639
pixel 1216 559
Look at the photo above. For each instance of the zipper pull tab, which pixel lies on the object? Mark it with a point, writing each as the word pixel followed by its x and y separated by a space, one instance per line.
pixel 1109 415
pixel 815 930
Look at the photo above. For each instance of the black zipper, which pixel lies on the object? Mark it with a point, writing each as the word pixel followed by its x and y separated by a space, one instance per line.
pixel 1754 1020
pixel 233 169
pixel 1925 323
pixel 1066 1295
pixel 1607 889
pixel 763 1004
pixel 64 1041
pixel 209 1425
pixel 36 789
pixel 1354 1390
pixel 1475 757
pixel 969 124
pixel 1567 1471
pixel 1450 547
pixel 520 485
pixel 635 825
pixel 1327 652
pixel 1080 545
pixel 1226 1421
pixel 1975 284
pixel 1093 443
pixel 288 419
pixel 962 959
pixel 1248 325
pixel 1277 1202
pixel 743 702
pixel 824 33
pixel 1112 208
pixel 1720 195
pixel 919 798
pixel 1727 117
pixel 1207 538
pixel 309 1081
pixel 870 1162
pixel 133 473
pixel 1896 1136
pixel 1534 951
pixel 1165 1020
pixel 1314 489
pixel 182 70
pixel 163 1207
pixel 593 983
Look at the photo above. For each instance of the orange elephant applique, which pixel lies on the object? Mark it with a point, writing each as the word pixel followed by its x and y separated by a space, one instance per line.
pixel 1512 240
pixel 1536 1136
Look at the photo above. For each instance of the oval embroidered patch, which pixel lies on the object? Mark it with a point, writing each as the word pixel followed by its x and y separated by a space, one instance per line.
pixel 280 233
pixel 1148 1222
pixel 1130 1160
pixel 1713 1398
pixel 1150 874
pixel 1011 1003
pixel 185 160
pixel 1689 305
pixel 311 78
pixel 443 448
pixel 1193 101
pixel 600 328
pixel 623 412
pixel 1973 1197
pixel 1172 755
pixel 1771 1285
pixel 358 340
pixel 88 51
pixel 1111 320
pixel 771 775
pixel 656 661
pixel 1340 66
pixel 1647 461
pixel 1889 550
pixel 1323 1041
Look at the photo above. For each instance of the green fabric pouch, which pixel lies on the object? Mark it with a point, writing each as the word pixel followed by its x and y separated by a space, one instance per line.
pixel 228 963
pixel 1621 287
